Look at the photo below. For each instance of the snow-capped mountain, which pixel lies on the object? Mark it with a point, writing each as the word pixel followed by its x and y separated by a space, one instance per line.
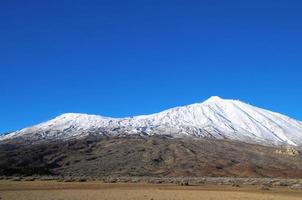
pixel 214 118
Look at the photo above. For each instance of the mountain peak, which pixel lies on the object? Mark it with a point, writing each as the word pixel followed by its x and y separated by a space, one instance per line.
pixel 69 115
pixel 214 99
pixel 219 100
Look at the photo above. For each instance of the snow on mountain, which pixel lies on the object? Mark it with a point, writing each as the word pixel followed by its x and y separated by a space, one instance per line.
pixel 213 118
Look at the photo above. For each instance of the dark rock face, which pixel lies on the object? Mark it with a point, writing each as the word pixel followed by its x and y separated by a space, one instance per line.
pixel 147 156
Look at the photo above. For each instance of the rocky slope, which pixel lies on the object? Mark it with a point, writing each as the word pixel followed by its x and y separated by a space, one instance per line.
pixel 148 156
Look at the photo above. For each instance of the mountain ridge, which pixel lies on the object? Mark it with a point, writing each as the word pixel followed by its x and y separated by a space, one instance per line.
pixel 214 118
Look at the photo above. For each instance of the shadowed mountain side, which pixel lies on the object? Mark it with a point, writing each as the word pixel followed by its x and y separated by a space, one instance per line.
pixel 148 156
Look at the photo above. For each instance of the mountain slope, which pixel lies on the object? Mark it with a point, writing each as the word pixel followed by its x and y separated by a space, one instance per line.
pixel 213 118
pixel 147 156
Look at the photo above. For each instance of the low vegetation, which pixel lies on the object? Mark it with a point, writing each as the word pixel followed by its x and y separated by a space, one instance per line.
pixel 135 156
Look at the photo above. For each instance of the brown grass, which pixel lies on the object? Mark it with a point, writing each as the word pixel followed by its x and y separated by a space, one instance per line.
pixel 52 190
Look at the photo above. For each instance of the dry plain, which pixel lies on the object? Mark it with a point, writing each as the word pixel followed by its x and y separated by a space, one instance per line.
pixel 53 190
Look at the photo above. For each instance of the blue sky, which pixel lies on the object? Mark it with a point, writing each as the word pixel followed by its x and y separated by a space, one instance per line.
pixel 121 58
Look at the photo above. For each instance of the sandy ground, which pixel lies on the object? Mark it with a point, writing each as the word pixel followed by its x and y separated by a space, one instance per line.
pixel 52 190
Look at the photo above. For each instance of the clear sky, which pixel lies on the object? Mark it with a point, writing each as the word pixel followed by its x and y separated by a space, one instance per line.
pixel 121 58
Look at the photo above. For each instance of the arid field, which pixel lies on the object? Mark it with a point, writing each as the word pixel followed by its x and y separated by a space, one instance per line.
pixel 52 190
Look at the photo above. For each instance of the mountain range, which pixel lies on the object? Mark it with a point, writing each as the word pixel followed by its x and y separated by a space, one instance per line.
pixel 215 118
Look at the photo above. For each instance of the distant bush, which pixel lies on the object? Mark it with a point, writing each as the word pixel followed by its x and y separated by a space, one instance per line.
pixel 29 178
pixel 184 183
pixel 16 179
pixel 263 187
pixel 82 179
pixel 235 185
